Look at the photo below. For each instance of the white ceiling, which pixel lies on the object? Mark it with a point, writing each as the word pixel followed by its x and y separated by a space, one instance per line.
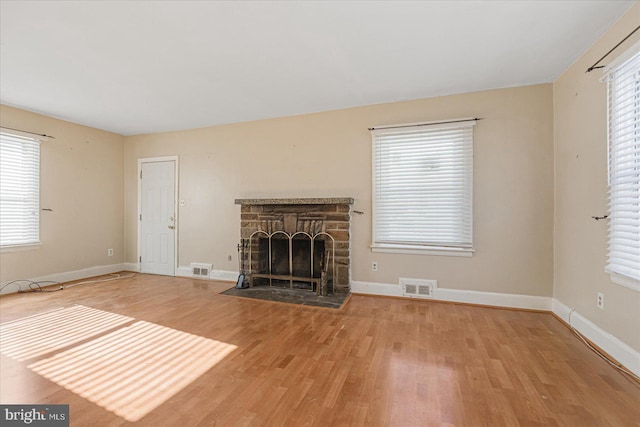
pixel 134 67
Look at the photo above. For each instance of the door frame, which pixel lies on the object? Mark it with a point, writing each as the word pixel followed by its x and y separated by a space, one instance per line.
pixel 175 160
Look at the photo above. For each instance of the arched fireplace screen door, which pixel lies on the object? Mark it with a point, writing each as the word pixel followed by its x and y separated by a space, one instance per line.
pixel 302 260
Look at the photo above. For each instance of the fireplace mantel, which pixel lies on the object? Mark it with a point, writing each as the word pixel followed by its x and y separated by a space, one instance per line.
pixel 297 201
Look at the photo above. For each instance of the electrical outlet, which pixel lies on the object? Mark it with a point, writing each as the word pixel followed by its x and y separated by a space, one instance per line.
pixel 182 203
pixel 374 266
pixel 600 301
pixel 109 252
pixel 229 258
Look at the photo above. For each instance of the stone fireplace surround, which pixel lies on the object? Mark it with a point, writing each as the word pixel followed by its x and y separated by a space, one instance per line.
pixel 311 215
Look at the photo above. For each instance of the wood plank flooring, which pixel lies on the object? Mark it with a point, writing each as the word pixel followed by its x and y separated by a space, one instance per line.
pixel 164 351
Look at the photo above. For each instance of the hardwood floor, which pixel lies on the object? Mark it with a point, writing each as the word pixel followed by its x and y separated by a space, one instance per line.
pixel 164 351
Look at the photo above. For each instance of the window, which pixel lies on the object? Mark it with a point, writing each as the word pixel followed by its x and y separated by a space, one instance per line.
pixel 422 188
pixel 624 172
pixel 19 190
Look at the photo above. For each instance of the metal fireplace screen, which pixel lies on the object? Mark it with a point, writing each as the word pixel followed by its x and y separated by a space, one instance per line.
pixel 299 260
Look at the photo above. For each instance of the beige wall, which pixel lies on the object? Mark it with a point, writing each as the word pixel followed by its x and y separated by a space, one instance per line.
pixel 329 154
pixel 81 180
pixel 581 192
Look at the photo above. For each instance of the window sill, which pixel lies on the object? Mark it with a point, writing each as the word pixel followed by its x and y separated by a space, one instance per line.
pixel 422 250
pixel 20 248
pixel 625 281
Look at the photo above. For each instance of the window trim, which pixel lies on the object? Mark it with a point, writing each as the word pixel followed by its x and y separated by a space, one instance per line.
pixel 627 282
pixel 20 248
pixel 418 249
pixel 421 250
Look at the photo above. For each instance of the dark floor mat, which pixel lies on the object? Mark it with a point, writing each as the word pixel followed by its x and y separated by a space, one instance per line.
pixel 291 296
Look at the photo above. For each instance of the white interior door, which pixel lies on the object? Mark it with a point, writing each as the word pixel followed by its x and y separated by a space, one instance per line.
pixel 157 217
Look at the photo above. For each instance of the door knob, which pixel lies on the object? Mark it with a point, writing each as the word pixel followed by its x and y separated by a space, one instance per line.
pixel 171 227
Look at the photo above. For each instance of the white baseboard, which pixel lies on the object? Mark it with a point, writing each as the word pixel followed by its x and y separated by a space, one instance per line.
pixel 68 276
pixel 457 295
pixel 183 271
pixel 496 299
pixel 224 275
pixel 373 288
pixel 132 266
pixel 621 352
pixel 560 310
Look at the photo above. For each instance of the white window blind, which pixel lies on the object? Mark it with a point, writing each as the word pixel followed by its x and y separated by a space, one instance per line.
pixel 423 185
pixel 19 190
pixel 624 169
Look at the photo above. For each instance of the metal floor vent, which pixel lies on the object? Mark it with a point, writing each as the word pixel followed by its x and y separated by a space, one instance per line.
pixel 418 288
pixel 201 270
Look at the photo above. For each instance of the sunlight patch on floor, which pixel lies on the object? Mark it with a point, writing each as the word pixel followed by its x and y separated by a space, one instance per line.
pixel 136 368
pixel 43 333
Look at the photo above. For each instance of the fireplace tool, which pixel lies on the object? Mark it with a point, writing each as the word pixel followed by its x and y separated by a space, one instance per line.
pixel 242 280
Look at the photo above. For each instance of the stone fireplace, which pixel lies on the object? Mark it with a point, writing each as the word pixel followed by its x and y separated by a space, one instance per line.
pixel 301 243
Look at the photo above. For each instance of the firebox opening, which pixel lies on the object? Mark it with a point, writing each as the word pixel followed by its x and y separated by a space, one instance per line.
pixel 281 263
